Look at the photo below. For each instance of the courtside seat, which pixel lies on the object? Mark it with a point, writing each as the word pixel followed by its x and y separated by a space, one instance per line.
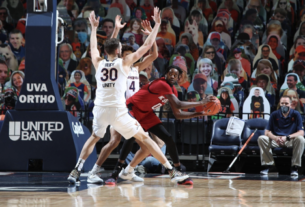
pixel 222 144
pixel 252 147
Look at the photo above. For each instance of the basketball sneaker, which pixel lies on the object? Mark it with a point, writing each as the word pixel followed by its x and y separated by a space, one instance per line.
pixel 74 176
pixel 187 181
pixel 177 176
pixel 110 181
pixel 130 176
pixel 94 178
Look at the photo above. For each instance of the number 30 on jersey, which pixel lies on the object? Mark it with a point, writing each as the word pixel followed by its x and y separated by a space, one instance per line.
pixel 111 74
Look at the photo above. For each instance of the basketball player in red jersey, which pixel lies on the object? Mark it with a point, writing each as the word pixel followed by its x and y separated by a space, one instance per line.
pixel 141 106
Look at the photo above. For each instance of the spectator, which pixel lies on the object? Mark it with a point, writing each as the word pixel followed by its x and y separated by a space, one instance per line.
pixel 237 52
pixel 131 4
pixel 292 81
pixel 9 101
pixel 219 26
pixel 15 42
pixel 15 8
pixel 204 6
pixel 265 67
pixel 296 104
pixel 4 73
pixel 73 102
pixel 281 16
pixel 181 63
pixel 200 85
pixel 168 37
pixel 263 82
pixel 265 54
pixel 257 105
pixel 299 68
pixel 227 106
pixel 98 8
pixel 193 96
pixel 224 16
pixel 187 39
pixel 135 29
pixel 16 81
pixel 4 17
pixel 107 26
pixel 179 10
pixel 274 42
pixel 139 13
pixel 215 40
pixel 206 67
pixel 118 5
pixel 65 51
pixel 79 81
pixel 81 27
pixel 209 52
pixel 229 5
pixel 235 67
pixel 299 54
pixel 62 73
pixel 300 40
pixel 132 43
pixel 286 6
pixel 148 6
pixel 285 128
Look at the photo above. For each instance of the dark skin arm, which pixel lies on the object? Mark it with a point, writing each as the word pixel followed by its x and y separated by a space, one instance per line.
pixel 177 104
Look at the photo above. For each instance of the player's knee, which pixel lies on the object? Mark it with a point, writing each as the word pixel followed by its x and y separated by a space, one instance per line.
pixel 113 143
pixel 94 136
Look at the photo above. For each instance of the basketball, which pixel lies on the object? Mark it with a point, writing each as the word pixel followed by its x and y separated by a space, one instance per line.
pixel 212 108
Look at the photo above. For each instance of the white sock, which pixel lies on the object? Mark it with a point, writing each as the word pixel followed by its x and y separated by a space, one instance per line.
pixel 129 169
pixel 80 163
pixel 95 168
pixel 167 165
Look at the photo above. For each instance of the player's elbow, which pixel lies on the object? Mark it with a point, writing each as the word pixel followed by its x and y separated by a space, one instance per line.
pixel 178 115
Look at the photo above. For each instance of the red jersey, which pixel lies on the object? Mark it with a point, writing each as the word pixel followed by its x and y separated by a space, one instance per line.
pixel 152 95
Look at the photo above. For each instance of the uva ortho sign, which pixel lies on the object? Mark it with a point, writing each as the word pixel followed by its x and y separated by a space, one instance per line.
pixel 33 130
pixel 37 98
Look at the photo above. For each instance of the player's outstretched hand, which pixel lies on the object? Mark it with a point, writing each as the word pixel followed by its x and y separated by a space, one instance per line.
pixel 157 17
pixel 146 27
pixel 209 99
pixel 118 20
pixel 94 21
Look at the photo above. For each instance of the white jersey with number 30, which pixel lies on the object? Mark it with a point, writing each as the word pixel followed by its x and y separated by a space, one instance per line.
pixel 133 82
pixel 111 84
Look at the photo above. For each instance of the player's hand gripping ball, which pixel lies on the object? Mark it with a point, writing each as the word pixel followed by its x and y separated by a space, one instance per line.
pixel 212 107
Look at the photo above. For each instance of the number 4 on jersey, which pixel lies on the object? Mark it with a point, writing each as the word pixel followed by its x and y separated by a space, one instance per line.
pixel 132 86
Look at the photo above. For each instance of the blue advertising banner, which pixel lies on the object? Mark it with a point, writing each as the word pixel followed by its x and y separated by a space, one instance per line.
pixel 55 138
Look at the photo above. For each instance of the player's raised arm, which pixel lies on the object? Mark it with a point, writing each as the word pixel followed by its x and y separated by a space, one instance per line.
pixel 154 50
pixel 95 55
pixel 118 26
pixel 130 59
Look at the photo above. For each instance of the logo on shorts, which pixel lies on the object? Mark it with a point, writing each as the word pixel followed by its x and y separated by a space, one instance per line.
pixel 77 128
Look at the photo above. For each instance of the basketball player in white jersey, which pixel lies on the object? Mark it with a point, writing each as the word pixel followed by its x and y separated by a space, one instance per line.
pixel 110 107
pixel 133 85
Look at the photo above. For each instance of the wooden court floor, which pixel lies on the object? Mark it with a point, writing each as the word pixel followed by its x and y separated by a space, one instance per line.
pixel 155 191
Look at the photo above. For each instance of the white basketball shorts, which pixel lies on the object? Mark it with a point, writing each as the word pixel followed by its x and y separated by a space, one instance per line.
pixel 118 118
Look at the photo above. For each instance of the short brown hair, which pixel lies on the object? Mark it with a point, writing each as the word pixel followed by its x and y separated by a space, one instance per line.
pixel 111 45
pixel 286 97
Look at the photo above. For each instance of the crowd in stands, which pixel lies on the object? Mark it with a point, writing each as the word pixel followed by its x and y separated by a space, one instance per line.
pixel 248 53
